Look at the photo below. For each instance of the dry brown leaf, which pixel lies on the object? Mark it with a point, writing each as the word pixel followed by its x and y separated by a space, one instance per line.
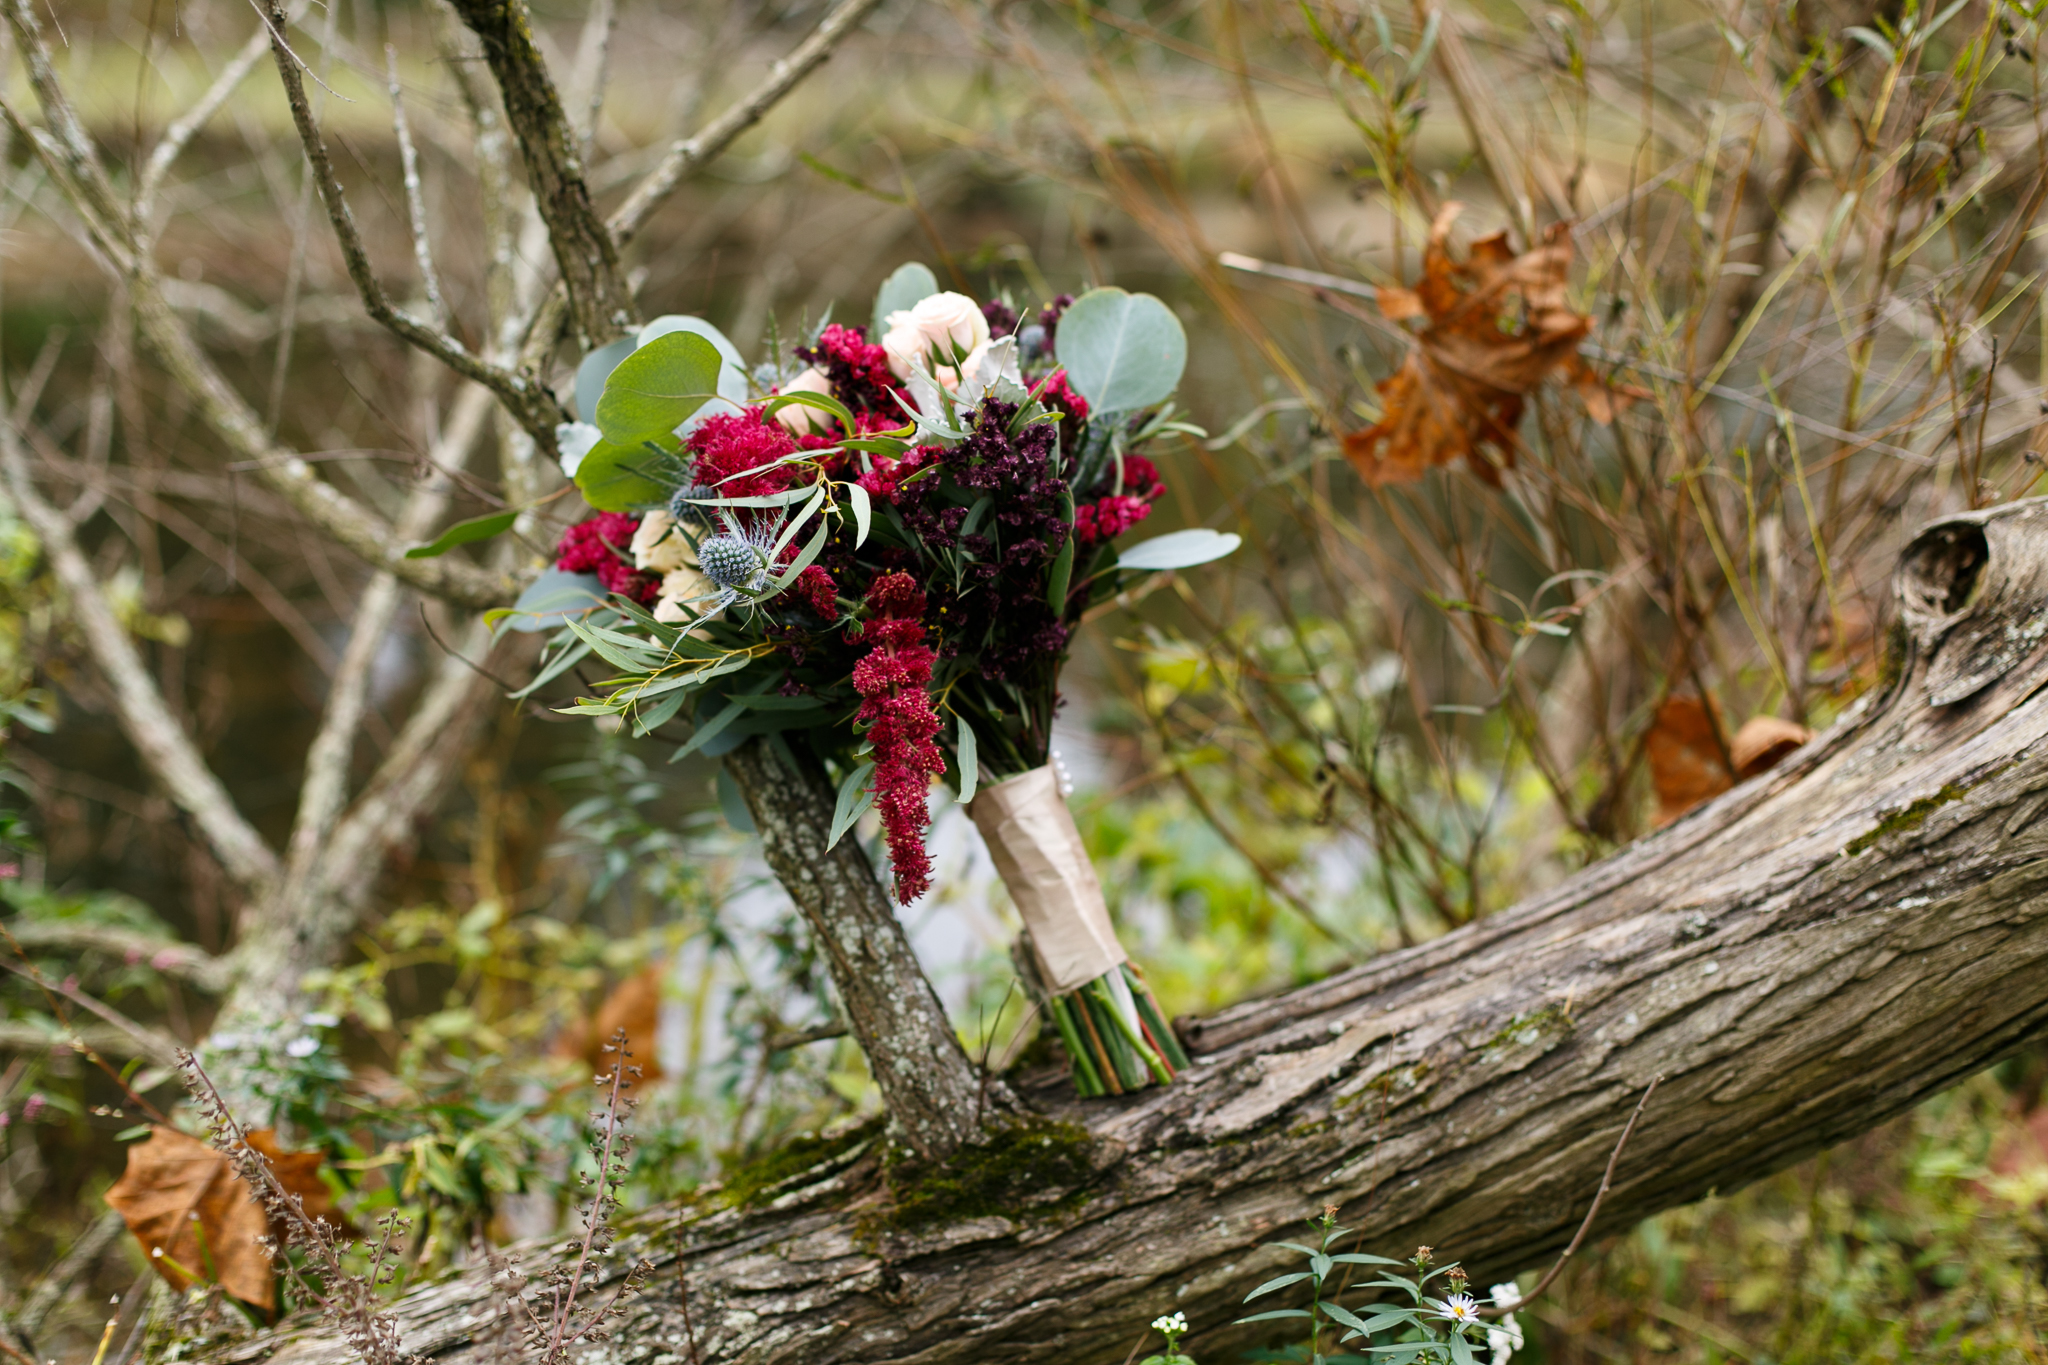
pixel 181 1195
pixel 1496 324
pixel 1686 762
pixel 1763 743
pixel 633 1005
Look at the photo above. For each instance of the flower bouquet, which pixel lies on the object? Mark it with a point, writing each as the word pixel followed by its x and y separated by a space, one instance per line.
pixel 879 543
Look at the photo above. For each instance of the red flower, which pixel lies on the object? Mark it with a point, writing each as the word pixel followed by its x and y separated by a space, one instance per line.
pixel 735 443
pixel 1107 518
pixel 896 714
pixel 888 475
pixel 1060 394
pixel 815 586
pixel 596 546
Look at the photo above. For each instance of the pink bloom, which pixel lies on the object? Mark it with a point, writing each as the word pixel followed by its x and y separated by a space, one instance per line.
pixel 735 443
pixel 1107 518
pixel 596 546
pixel 1059 394
pixel 888 475
pixel 815 586
pixel 896 714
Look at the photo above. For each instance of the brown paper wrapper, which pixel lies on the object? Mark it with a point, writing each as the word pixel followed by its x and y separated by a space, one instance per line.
pixel 1039 855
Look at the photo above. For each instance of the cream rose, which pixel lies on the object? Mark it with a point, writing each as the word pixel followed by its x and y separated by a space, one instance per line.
pixel 801 419
pixel 677 587
pixel 951 321
pixel 656 549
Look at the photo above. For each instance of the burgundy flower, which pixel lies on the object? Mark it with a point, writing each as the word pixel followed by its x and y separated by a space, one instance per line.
pixel 1002 319
pixel 896 714
pixel 1107 518
pixel 815 586
pixel 859 371
pixel 599 546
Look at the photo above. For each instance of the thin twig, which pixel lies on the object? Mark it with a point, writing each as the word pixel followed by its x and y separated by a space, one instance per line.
pixel 415 198
pixel 1606 1182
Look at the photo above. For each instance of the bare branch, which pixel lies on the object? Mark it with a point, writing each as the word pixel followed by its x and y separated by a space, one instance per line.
pixel 75 159
pixel 687 155
pixel 182 130
pixel 324 791
pixel 530 402
pixel 165 747
pixel 167 956
pixel 600 305
pixel 415 201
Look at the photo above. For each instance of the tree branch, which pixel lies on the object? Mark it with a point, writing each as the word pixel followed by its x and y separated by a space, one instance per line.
pixel 183 129
pixel 156 734
pixel 687 155
pixel 167 956
pixel 600 305
pixel 531 403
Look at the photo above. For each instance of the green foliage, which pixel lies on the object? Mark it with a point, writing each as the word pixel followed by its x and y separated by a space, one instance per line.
pixel 909 285
pixel 1028 1168
pixel 1122 352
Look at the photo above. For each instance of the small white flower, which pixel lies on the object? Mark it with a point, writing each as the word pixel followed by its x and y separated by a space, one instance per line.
pixel 302 1047
pixel 321 1019
pixel 1173 1322
pixel 575 440
pixel 1461 1309
pixel 1504 1338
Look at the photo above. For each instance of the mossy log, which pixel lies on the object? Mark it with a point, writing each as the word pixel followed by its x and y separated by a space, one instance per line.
pixel 1801 959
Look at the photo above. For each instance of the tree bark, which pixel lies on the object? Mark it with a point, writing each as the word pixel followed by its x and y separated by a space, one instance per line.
pixel 1803 958
pixel 931 1092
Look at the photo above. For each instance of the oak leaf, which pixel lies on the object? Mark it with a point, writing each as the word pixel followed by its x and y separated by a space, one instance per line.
pixel 1495 325
pixel 182 1199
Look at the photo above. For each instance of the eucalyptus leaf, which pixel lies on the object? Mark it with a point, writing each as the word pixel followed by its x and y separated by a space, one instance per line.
pixel 1179 550
pixel 710 729
pixel 610 478
pixel 732 804
pixel 911 284
pixel 1121 351
pixel 970 762
pixel 855 799
pixel 863 513
pixel 595 369
pixel 551 597
pixel 466 533
pixel 654 389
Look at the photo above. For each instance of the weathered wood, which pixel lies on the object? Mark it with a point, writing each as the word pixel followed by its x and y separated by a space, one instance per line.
pixel 932 1092
pixel 1800 960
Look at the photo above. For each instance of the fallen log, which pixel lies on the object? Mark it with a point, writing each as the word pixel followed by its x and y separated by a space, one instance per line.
pixel 1800 960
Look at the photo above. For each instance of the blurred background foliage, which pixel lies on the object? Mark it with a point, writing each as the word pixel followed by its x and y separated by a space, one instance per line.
pixel 1403 708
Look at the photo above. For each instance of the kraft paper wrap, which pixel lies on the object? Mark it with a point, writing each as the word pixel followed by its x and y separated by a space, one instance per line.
pixel 1038 852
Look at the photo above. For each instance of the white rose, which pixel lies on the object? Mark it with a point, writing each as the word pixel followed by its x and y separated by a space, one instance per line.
pixel 949 321
pixel 801 419
pixel 655 549
pixel 677 587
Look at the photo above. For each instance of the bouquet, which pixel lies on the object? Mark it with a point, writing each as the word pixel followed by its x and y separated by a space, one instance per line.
pixel 878 543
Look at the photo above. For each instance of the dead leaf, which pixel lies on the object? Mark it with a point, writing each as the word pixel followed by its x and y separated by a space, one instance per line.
pixel 181 1195
pixel 1687 765
pixel 1496 324
pixel 1763 743
pixel 633 1005
pixel 1686 762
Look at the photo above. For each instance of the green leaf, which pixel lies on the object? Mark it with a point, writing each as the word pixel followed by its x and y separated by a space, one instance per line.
pixel 1339 1313
pixel 654 717
pixel 1279 1283
pixel 1362 1258
pixel 655 389
pixel 911 284
pixel 1874 41
pixel 553 596
pixel 1178 549
pixel 710 730
pixel 560 664
pixel 1121 351
pixel 1319 1265
pixel 611 477
pixel 1461 1349
pixel 863 513
pixel 595 369
pixel 824 402
pixel 618 656
pixel 466 533
pixel 1275 1315
pixel 130 1134
pixel 855 799
pixel 968 752
pixel 731 804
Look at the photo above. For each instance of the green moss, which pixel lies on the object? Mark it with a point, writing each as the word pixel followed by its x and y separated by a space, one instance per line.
pixel 756 1182
pixel 1527 1030
pixel 1029 1169
pixel 1912 817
